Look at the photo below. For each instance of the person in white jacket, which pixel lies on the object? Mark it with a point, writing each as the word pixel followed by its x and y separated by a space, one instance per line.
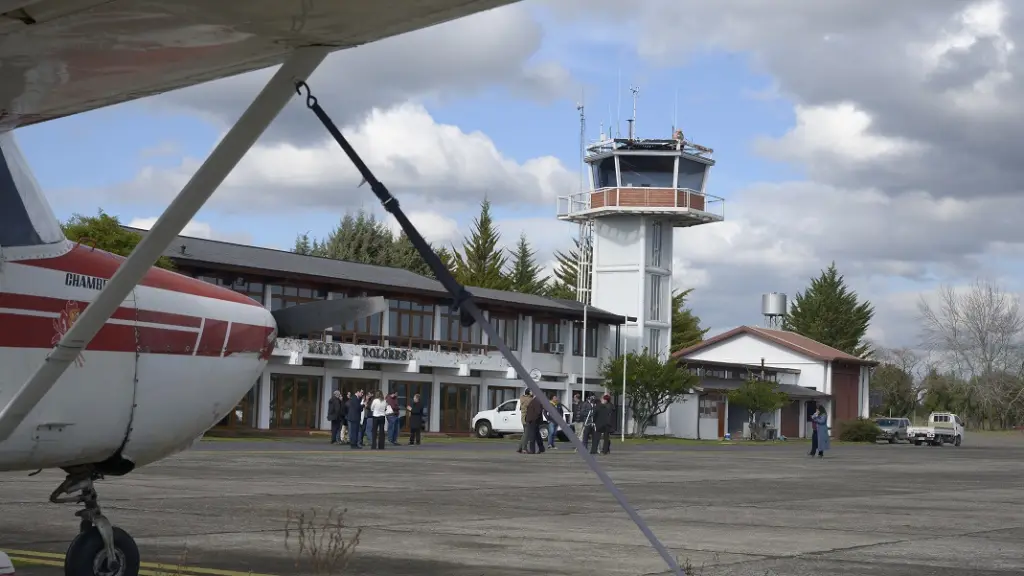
pixel 378 408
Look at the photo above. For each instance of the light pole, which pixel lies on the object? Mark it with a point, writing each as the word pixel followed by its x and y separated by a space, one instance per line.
pixel 625 357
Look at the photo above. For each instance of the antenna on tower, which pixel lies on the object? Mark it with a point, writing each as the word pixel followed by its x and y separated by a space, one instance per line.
pixel 632 121
pixel 583 139
pixel 618 106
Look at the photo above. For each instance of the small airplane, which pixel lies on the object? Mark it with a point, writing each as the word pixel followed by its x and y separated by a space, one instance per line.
pixel 108 363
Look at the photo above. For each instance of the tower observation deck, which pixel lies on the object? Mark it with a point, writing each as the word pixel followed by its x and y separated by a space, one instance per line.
pixel 639 191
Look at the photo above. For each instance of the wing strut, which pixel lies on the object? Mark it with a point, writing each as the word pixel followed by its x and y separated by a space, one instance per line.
pixel 470 313
pixel 225 156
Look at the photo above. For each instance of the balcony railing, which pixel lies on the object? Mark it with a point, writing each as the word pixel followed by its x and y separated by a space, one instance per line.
pixel 365 339
pixel 634 199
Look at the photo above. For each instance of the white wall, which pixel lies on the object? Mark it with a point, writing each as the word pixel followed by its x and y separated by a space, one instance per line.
pixel 746 349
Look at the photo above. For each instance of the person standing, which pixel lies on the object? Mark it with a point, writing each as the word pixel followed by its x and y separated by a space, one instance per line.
pixel 552 425
pixel 334 415
pixel 604 423
pixel 577 418
pixel 368 429
pixel 378 409
pixel 346 397
pixel 534 419
pixel 355 412
pixel 415 412
pixel 820 419
pixel 814 434
pixel 392 418
pixel 587 424
pixel 524 401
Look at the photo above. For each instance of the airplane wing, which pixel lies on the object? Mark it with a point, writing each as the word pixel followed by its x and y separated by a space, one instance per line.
pixel 62 57
pixel 321 315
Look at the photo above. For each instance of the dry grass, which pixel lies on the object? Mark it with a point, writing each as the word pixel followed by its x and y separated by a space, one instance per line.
pixel 320 544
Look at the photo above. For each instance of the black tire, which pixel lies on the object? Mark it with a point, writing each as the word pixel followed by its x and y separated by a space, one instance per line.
pixel 892 440
pixel 483 429
pixel 957 441
pixel 86 555
pixel 917 442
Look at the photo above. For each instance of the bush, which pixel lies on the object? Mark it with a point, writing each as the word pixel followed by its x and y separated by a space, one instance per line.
pixel 859 430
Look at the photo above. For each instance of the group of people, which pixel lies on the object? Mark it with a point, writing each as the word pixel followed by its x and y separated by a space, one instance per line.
pixel 592 420
pixel 374 416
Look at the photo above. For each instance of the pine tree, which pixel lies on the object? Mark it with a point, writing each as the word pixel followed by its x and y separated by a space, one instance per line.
pixel 524 273
pixel 303 245
pixel 566 273
pixel 686 330
pixel 481 262
pixel 830 313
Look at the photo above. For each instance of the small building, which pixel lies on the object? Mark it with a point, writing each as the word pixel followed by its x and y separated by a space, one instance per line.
pixel 809 371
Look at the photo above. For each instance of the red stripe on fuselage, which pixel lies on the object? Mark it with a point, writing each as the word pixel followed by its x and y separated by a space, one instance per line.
pixel 211 343
pixel 99 264
pixel 25 331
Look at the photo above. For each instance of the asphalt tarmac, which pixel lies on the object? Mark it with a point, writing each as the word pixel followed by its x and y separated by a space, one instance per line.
pixel 479 509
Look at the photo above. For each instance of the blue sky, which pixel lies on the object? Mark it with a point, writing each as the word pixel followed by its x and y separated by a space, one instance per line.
pixel 799 131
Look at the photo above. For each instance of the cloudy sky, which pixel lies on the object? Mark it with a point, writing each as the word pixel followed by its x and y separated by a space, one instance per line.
pixel 881 139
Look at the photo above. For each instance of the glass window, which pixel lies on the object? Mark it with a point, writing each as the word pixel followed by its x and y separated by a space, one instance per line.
pixel 656 239
pixel 364 331
pixel 507 327
pixel 655 303
pixel 453 331
pixel 546 332
pixel 290 296
pixel 406 333
pixel 655 344
pixel 577 339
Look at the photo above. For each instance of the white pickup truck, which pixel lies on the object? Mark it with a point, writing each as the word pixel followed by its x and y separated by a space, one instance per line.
pixel 942 428
pixel 507 419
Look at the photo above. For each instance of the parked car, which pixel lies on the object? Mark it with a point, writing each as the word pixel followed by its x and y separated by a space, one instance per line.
pixel 893 429
pixel 506 419
pixel 942 428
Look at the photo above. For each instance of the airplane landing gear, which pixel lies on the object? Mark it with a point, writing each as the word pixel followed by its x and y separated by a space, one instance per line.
pixel 100 549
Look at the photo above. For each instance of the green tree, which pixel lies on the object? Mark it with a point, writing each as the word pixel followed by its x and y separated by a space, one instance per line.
pixel 105 232
pixel 481 262
pixel 758 397
pixel 524 273
pixel 303 244
pixel 686 330
pixel 830 313
pixel 566 273
pixel 651 385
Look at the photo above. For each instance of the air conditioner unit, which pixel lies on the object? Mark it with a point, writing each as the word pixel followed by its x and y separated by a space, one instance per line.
pixel 556 348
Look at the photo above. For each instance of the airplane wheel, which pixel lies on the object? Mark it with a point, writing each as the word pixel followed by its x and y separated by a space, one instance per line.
pixel 87 556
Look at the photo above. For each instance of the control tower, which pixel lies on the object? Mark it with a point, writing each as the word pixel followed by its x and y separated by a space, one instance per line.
pixel 640 190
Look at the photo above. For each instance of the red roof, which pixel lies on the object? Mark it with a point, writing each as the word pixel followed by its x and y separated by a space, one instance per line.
pixel 791 340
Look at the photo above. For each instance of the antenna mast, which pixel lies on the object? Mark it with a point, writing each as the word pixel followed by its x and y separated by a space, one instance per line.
pixel 632 121
pixel 583 141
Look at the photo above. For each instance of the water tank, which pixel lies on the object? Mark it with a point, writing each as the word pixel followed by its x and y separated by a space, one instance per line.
pixel 773 304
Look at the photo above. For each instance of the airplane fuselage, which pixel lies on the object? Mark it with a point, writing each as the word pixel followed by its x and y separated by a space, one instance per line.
pixel 172 361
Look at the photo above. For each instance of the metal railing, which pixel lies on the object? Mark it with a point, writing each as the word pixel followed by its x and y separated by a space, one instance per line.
pixel 639 198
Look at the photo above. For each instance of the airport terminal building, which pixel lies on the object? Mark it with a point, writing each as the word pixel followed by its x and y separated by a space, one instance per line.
pixel 416 346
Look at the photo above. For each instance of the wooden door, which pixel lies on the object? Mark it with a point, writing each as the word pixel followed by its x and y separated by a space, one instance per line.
pixel 406 391
pixel 721 419
pixel 790 425
pixel 458 406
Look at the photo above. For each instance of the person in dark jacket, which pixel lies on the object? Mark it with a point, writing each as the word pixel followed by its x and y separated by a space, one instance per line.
pixel 524 403
pixel 587 421
pixel 415 412
pixel 345 397
pixel 577 419
pixel 604 423
pixel 355 412
pixel 335 415
pixel 534 419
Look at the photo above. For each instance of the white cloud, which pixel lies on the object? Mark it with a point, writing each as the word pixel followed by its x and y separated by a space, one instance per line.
pixel 196 230
pixel 421 161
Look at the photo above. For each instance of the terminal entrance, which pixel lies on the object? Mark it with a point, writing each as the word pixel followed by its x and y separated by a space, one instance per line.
pixel 405 392
pixel 295 401
pixel 459 403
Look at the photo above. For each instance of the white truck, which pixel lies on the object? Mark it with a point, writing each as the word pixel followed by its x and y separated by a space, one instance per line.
pixel 942 428
pixel 507 419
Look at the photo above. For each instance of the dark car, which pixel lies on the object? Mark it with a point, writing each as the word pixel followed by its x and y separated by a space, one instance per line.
pixel 893 429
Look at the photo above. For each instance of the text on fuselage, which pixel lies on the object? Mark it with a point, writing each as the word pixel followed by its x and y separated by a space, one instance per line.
pixel 83 281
